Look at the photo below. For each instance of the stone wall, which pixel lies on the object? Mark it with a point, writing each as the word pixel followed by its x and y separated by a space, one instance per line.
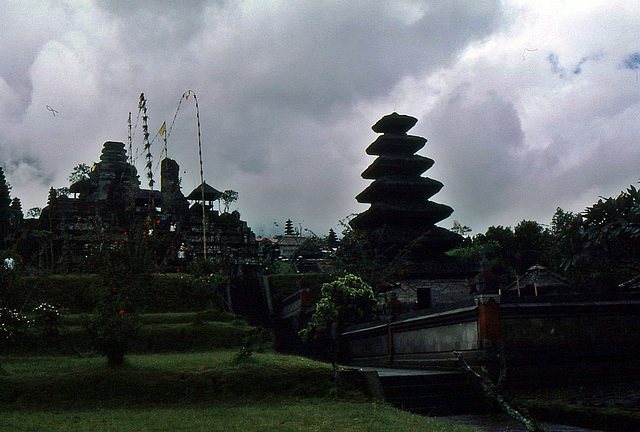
pixel 441 292
pixel 551 340
pixel 415 340
pixel 543 340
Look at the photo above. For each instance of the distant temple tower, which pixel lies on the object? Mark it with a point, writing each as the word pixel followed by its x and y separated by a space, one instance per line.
pixel 112 180
pixel 401 213
pixel 173 201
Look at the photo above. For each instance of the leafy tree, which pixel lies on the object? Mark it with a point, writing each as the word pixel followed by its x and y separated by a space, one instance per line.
pixel 603 242
pixel 533 244
pixel 357 255
pixel 80 172
pixel 508 251
pixel 34 212
pixel 62 192
pixel 497 246
pixel 344 300
pixel 125 267
pixel 228 197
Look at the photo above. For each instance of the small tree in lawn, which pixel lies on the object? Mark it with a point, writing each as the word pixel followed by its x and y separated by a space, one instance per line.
pixel 124 266
pixel 345 300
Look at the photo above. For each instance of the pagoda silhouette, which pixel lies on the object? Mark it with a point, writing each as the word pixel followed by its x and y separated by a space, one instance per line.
pixel 401 217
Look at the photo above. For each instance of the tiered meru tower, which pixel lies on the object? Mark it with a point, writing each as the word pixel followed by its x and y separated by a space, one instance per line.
pixel 401 214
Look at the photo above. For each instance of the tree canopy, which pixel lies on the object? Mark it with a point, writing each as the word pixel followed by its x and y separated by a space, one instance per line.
pixel 603 240
pixel 507 250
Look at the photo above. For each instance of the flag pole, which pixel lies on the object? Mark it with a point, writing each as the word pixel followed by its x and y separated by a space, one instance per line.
pixel 204 213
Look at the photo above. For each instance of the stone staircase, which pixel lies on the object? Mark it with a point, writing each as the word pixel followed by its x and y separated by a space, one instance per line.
pixel 424 392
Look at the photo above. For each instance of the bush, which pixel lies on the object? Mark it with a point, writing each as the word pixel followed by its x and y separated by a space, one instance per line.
pixel 13 326
pixel 81 293
pixel 113 333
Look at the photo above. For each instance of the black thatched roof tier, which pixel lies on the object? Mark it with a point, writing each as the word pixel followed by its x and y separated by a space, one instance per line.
pixel 398 214
pixel 421 242
pixel 210 193
pixel 396 145
pixel 405 189
pixel 413 165
pixel 394 123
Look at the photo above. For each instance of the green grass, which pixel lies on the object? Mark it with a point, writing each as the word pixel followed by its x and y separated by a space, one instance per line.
pixel 158 378
pixel 190 392
pixel 319 415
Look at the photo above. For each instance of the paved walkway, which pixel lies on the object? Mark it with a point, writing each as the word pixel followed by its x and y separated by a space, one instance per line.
pixel 401 372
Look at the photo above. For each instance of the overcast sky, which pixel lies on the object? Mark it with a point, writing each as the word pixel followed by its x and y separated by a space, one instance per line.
pixel 526 105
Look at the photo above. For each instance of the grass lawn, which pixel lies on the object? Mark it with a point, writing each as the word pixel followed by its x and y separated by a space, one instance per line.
pixel 189 392
pixel 292 415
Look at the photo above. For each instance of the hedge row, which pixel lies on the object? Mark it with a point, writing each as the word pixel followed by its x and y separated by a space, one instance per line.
pixel 153 338
pixel 81 293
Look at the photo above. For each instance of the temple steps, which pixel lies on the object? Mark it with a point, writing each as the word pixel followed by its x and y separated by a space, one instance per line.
pixel 426 392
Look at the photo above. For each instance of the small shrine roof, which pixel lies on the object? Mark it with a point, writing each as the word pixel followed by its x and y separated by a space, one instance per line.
pixel 210 193
pixel 292 240
pixel 541 277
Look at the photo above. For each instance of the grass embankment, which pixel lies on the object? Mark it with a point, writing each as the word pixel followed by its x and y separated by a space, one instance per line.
pixel 189 392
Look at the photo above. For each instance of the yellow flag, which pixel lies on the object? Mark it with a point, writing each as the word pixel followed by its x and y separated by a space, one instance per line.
pixel 163 129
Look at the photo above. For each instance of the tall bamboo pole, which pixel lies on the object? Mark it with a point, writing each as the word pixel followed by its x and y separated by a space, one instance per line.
pixel 204 213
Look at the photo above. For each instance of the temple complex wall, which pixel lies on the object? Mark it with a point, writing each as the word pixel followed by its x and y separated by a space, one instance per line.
pixel 549 341
pixel 542 341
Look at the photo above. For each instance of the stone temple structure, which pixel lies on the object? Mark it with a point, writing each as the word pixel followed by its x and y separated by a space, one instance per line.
pixel 401 216
pixel 109 203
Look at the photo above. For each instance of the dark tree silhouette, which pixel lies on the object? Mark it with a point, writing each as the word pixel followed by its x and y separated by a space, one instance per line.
pixel 79 172
pixel 603 241
pixel 228 197
pixel 5 207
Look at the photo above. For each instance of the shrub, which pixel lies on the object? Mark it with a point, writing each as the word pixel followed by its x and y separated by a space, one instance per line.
pixel 344 300
pixel 113 333
pixel 156 292
pixel 47 319
pixel 13 326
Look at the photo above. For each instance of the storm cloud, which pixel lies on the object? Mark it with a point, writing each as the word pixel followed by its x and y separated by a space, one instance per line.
pixel 288 91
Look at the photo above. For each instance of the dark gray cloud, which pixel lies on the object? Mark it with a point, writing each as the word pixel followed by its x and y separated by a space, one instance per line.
pixel 288 92
pixel 476 142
